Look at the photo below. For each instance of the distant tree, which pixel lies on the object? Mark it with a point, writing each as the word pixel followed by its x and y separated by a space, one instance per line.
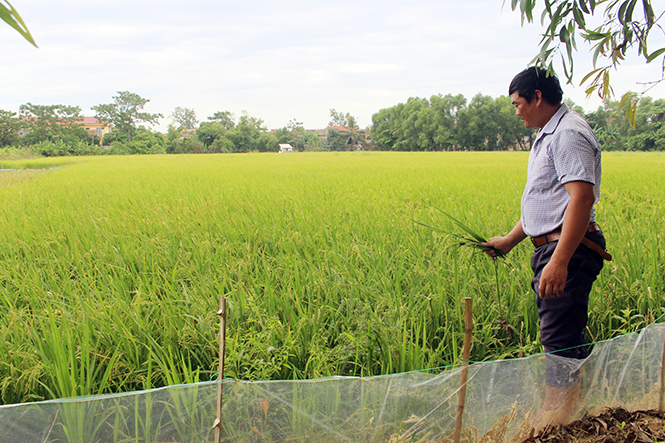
pixel 225 118
pixel 297 135
pixel 51 123
pixel 125 112
pixel 283 135
pixel 267 142
pixel 448 123
pixel 179 141
pixel 410 126
pixel 246 134
pixel 114 138
pixel 511 131
pixel 146 142
pixel 10 127
pixel 649 133
pixel 208 132
pixel 412 134
pixel 185 118
pixel 312 142
pixel 353 134
pixel 335 140
pixel 11 17
pixel 489 124
pixel 479 129
pixel 222 144
pixel 446 109
pixel 603 126
pixel 338 118
pixel 384 125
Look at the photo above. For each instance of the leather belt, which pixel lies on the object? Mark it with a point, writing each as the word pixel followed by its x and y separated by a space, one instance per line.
pixel 556 235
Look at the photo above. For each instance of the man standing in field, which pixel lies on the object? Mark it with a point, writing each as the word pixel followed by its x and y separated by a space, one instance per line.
pixel 563 185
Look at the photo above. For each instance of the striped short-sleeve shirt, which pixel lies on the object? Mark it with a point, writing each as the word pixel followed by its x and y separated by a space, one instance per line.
pixel 565 150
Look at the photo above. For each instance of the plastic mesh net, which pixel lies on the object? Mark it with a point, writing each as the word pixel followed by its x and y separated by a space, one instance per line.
pixel 416 406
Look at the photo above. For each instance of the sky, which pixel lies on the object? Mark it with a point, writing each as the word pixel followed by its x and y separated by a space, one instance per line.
pixel 277 60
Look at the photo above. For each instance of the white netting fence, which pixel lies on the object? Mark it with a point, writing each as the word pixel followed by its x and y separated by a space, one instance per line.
pixel 409 407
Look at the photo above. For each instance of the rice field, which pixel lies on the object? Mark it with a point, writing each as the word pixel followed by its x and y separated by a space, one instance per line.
pixel 111 268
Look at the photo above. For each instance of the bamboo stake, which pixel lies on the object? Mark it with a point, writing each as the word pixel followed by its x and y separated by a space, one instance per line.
pixel 661 403
pixel 461 396
pixel 220 388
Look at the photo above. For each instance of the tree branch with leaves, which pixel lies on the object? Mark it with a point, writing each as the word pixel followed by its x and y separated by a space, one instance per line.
pixel 627 26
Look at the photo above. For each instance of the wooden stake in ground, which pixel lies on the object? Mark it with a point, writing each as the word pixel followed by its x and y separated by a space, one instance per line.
pixel 220 388
pixel 461 395
pixel 661 403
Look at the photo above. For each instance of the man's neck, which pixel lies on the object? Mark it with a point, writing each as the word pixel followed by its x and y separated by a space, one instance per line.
pixel 548 113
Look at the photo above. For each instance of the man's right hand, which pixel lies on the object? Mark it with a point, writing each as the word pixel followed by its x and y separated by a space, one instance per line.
pixel 507 243
pixel 502 244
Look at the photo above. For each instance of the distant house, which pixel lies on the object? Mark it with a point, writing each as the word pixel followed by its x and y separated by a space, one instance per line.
pixel 90 124
pixel 187 133
pixel 285 147
pixel 94 126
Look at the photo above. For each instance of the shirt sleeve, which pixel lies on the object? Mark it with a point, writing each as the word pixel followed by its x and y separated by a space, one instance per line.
pixel 573 155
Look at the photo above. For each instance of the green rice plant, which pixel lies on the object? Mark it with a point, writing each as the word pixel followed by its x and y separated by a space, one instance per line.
pixel 472 239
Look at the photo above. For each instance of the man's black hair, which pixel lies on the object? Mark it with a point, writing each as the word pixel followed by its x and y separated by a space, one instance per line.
pixel 531 79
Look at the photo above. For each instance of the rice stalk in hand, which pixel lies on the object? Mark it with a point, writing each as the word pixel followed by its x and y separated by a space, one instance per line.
pixel 472 239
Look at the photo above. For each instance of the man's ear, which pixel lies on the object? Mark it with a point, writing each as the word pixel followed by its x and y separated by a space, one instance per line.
pixel 538 96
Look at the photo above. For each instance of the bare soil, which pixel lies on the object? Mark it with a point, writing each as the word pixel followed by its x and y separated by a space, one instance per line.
pixel 615 425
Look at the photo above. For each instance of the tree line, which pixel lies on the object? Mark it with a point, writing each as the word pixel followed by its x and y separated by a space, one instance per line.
pixel 440 123
pixel 445 123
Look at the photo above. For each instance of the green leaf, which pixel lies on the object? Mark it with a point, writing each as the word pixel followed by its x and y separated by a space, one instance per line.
pixel 629 11
pixel 606 88
pixel 567 73
pixel 630 111
pixel 569 51
pixel 622 12
pixel 590 90
pixel 564 35
pixel 598 51
pixel 584 7
pixel 571 32
pixel 546 13
pixel 593 35
pixel 589 75
pixel 579 18
pixel 627 98
pixel 13 19
pixel 648 13
pixel 526 6
pixel 556 17
pixel 655 55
